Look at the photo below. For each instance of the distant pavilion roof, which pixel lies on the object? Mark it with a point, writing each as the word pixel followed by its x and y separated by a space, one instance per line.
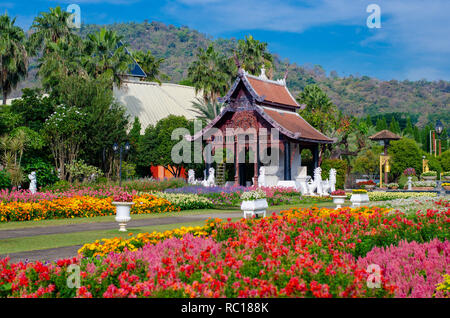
pixel 385 135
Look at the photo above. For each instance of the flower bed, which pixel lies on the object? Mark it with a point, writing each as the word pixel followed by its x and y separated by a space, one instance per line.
pixel 410 206
pixel 385 196
pixel 186 201
pixel 117 245
pixel 301 253
pixel 231 196
pixel 78 206
pixel 416 269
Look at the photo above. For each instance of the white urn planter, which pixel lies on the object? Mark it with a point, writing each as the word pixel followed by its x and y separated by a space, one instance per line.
pixel 338 200
pixel 254 207
pixel 358 199
pixel 123 214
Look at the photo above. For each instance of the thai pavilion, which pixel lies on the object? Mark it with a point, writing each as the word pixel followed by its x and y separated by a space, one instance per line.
pixel 260 120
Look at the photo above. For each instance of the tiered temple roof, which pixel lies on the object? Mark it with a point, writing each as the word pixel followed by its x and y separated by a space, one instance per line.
pixel 274 104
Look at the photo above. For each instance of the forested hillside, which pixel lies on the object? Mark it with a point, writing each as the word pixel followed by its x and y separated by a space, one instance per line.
pixel 355 95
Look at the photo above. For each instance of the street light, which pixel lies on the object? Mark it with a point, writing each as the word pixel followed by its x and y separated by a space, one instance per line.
pixel 121 149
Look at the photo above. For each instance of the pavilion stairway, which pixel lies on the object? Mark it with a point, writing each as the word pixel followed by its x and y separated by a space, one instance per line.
pixel 220 174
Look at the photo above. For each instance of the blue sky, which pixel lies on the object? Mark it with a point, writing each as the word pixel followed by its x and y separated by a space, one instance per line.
pixel 413 41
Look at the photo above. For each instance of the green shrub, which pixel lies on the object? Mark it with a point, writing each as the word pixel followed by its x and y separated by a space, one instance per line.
pixel 80 171
pixel 433 163
pixel 5 180
pixel 403 181
pixel 61 185
pixel 445 160
pixel 45 172
pixel 341 169
pixel 404 154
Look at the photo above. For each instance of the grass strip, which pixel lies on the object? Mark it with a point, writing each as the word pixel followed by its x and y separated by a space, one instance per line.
pixel 58 222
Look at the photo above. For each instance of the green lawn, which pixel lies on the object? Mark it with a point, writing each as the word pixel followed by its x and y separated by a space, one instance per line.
pixel 45 223
pixel 22 244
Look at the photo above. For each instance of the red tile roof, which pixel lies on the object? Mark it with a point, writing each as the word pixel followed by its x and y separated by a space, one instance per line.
pixel 275 93
pixel 385 135
pixel 296 124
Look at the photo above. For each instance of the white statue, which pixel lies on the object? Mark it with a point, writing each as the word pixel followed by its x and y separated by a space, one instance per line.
pixel 262 177
pixel 32 177
pixel 191 176
pixel 332 179
pixel 211 181
pixel 325 187
pixel 318 180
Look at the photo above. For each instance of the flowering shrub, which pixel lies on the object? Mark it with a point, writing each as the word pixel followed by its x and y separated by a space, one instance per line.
pixel 414 268
pixel 123 197
pixel 409 172
pixel 384 196
pixel 117 245
pixel 444 286
pixel 392 185
pixel 338 192
pixel 78 206
pixel 359 191
pixel 410 206
pixel 424 184
pixel 186 201
pixel 429 174
pixel 253 195
pixel 365 183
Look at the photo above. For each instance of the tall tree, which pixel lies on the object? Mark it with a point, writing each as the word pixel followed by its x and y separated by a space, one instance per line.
pixel 107 55
pixel 409 130
pixel 13 55
pixel 49 27
pixel 63 58
pixel 151 66
pixel 319 110
pixel 211 73
pixel 206 110
pixel 394 126
pixel 381 123
pixel 253 55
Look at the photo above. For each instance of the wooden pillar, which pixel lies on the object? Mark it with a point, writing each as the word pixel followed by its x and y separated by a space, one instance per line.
pixel 256 165
pixel 386 143
pixel 287 160
pixel 208 162
pixel 316 156
pixel 236 164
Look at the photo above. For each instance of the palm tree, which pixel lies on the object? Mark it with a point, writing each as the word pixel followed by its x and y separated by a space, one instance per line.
pixel 211 73
pixel 107 55
pixel 253 55
pixel 150 65
pixel 50 27
pixel 206 110
pixel 13 55
pixel 62 59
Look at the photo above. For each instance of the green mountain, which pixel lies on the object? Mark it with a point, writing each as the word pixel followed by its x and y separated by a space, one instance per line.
pixel 357 95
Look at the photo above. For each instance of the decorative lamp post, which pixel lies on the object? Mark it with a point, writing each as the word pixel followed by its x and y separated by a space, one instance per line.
pixel 385 136
pixel 121 149
pixel 438 128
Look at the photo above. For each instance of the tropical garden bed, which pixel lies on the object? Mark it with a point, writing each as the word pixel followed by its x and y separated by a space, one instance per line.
pixel 307 252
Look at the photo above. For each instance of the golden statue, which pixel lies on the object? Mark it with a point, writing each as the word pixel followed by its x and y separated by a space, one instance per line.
pixel 425 167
